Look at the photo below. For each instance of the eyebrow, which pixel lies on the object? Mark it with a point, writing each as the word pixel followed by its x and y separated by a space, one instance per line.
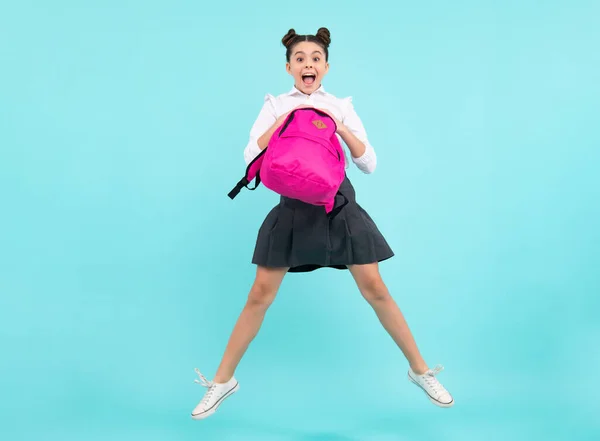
pixel 301 52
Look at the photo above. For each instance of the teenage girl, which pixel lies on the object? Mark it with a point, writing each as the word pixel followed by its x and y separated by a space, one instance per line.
pixel 299 237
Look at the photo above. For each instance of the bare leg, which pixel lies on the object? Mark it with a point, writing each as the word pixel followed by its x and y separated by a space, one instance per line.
pixel 262 294
pixel 375 292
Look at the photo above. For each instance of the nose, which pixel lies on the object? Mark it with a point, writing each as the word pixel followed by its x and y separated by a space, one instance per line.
pixel 308 64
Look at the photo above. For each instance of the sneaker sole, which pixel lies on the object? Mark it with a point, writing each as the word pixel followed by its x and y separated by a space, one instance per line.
pixel 201 416
pixel 433 400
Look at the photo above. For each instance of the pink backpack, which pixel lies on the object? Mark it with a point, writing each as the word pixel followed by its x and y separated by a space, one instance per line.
pixel 303 160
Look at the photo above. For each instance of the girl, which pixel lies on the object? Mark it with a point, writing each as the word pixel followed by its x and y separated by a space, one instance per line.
pixel 298 237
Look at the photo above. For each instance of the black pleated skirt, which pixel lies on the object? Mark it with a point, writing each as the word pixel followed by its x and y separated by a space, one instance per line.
pixel 303 238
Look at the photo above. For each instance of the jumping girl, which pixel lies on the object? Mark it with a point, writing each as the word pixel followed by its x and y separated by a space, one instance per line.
pixel 299 237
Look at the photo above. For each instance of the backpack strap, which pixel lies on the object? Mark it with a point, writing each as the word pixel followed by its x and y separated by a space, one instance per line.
pixel 244 183
pixel 248 176
pixel 333 213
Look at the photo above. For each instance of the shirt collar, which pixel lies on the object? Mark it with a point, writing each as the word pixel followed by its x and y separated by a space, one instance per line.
pixel 295 91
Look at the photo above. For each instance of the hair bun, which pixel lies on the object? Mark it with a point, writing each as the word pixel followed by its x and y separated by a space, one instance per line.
pixel 287 39
pixel 324 35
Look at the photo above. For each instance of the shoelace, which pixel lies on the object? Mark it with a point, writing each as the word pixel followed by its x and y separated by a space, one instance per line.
pixel 206 383
pixel 430 379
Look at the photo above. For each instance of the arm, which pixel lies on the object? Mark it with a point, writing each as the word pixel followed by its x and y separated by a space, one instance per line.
pixel 263 141
pixel 354 135
pixel 261 130
pixel 356 146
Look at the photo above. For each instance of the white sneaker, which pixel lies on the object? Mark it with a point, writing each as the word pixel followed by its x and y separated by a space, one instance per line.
pixel 437 393
pixel 214 396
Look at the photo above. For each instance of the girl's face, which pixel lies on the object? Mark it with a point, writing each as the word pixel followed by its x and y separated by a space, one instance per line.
pixel 308 66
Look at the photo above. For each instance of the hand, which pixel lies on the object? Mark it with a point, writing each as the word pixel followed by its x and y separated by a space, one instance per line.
pixel 340 128
pixel 283 117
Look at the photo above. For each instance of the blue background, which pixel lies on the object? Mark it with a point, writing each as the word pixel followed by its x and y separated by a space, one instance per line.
pixel 123 264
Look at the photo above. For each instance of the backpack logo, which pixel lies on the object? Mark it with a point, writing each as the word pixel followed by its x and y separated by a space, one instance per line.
pixel 319 124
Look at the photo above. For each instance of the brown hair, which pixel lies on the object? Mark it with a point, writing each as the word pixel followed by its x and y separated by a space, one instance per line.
pixel 322 38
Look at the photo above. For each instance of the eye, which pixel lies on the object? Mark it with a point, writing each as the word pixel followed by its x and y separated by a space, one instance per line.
pixel 299 60
pixel 316 59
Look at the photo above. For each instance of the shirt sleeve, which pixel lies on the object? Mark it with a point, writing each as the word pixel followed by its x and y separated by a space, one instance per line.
pixel 368 161
pixel 266 118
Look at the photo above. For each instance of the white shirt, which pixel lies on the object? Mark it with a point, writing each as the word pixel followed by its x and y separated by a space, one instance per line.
pixel 340 108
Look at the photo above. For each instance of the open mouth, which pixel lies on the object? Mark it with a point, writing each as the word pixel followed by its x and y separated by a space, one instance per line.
pixel 308 79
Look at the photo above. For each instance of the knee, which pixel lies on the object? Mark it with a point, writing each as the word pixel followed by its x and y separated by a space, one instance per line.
pixel 261 295
pixel 374 290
